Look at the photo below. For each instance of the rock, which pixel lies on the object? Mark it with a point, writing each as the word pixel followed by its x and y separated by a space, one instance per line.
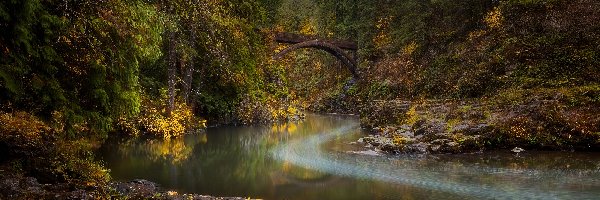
pixel 420 131
pixel 405 127
pixel 439 141
pixel 460 128
pixel 418 137
pixel 367 152
pixel 376 129
pixel 420 147
pixel 435 148
pixel 407 134
pixel 136 188
pixel 418 125
pixel 452 144
pixel 144 182
pixel 517 150
pixel 375 143
pixel 388 147
pixel 478 129
pixel 386 131
pixel 15 185
pixel 368 139
pixel 451 147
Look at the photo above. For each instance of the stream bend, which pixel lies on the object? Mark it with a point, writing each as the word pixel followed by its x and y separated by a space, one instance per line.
pixel 431 175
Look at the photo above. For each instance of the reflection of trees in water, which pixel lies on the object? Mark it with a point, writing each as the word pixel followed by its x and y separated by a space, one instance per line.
pixel 171 150
pixel 214 160
pixel 301 177
pixel 230 161
pixel 242 154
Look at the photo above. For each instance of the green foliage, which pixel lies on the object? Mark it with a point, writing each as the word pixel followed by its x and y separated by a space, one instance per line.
pixel 378 90
pixel 466 48
pixel 92 60
pixel 81 59
pixel 29 62
pixel 91 63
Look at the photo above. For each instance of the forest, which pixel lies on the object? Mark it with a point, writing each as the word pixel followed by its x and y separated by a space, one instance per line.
pixel 434 77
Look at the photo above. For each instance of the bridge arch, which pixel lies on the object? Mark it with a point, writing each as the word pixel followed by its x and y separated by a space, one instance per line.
pixel 331 48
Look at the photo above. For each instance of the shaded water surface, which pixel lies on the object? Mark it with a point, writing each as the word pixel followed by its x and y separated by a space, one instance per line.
pixel 314 160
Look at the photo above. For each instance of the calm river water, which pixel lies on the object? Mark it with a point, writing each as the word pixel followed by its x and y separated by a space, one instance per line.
pixel 314 159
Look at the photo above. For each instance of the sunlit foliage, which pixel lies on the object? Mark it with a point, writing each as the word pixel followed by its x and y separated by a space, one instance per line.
pixel 23 131
pixel 155 121
pixel 77 70
pixel 39 150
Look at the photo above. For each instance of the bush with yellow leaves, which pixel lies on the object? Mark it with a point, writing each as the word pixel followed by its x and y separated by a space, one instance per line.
pixel 45 153
pixel 22 132
pixel 155 121
pixel 252 111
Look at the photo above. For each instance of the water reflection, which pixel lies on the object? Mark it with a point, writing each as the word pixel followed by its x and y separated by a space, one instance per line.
pixel 173 151
pixel 226 161
pixel 309 160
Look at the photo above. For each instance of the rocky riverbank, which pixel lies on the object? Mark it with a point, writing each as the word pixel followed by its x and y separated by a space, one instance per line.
pixel 477 125
pixel 15 185
pixel 144 189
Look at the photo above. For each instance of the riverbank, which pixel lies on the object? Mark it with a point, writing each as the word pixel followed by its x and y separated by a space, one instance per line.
pixel 17 185
pixel 40 161
pixel 540 121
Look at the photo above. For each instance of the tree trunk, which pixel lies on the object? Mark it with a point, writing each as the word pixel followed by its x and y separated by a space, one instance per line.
pixel 189 72
pixel 171 72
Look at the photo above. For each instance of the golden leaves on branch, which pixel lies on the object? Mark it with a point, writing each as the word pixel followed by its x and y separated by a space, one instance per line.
pixel 155 121
pixel 494 18
pixel 382 39
pixel 22 129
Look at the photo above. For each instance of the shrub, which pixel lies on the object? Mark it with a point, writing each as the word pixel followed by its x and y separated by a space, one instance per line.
pixel 158 123
pixel 154 120
pixel 22 133
pixel 46 154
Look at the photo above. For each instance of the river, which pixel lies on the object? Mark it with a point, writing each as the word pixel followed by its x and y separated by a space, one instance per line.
pixel 314 159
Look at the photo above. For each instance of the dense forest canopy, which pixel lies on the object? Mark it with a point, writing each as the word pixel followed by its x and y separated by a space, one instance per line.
pixel 74 72
pixel 102 63
pixel 459 48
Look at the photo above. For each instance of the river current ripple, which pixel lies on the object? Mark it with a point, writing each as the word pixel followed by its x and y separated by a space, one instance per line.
pixel 474 181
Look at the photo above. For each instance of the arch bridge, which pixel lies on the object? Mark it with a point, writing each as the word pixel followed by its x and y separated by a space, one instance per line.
pixel 332 46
